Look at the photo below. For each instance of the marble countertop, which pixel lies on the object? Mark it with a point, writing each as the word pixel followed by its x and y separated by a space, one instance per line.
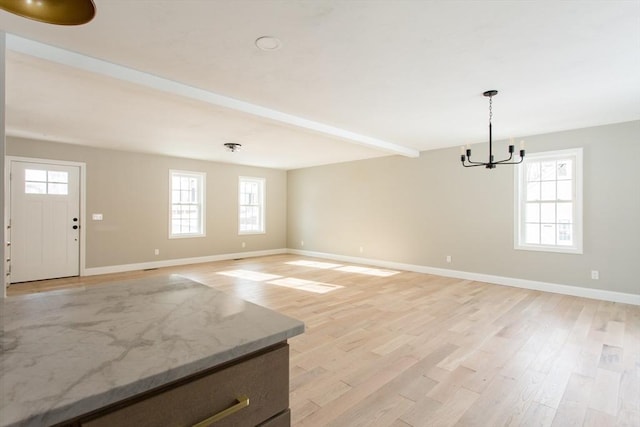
pixel 66 353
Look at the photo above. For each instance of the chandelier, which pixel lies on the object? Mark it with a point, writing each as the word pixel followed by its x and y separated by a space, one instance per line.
pixel 465 156
pixel 60 12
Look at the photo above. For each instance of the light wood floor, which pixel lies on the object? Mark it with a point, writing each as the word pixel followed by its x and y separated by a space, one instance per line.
pixel 419 350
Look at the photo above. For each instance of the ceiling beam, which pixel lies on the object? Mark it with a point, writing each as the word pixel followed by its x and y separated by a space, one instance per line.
pixel 98 66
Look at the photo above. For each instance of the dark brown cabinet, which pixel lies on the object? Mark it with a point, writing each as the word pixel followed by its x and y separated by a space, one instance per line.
pixel 263 378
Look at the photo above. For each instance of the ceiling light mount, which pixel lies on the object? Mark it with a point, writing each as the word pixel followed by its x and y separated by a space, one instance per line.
pixel 465 155
pixel 232 146
pixel 59 12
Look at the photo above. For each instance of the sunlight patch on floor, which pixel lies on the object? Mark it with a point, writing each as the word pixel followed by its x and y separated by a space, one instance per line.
pixel 249 275
pixel 367 270
pixel 314 264
pixel 305 285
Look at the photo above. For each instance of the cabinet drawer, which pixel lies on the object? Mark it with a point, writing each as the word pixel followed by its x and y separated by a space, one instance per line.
pixel 281 420
pixel 264 379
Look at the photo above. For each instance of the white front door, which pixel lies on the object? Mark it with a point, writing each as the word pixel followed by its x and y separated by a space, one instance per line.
pixel 45 221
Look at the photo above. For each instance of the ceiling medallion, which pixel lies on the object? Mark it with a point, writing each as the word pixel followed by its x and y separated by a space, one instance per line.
pixel 232 146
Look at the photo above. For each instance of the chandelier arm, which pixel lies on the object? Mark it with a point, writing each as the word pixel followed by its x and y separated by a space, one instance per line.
pixel 468 159
pixel 505 160
pixel 473 165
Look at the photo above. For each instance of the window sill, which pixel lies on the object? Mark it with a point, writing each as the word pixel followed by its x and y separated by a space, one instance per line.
pixel 554 249
pixel 185 236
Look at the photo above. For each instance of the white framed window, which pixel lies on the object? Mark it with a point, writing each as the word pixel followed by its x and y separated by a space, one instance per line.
pixel 251 195
pixel 187 204
pixel 548 211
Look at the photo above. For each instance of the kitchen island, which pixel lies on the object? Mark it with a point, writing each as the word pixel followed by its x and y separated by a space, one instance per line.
pixel 153 351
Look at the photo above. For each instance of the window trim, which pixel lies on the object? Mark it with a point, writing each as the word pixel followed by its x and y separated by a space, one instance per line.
pixel 578 201
pixel 202 176
pixel 263 204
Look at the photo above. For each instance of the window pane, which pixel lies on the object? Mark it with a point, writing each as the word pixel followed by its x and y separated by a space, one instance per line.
pixel 60 189
pixel 533 191
pixel 565 234
pixel 532 234
pixel 532 213
pixel 35 175
pixel 565 212
pixel 565 190
pixel 548 190
pixel 35 188
pixel 58 176
pixel 565 169
pixel 548 170
pixel 548 234
pixel 548 212
pixel 533 171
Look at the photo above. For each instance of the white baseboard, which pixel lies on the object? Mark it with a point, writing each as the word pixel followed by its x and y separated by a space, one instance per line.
pixel 599 294
pixel 180 261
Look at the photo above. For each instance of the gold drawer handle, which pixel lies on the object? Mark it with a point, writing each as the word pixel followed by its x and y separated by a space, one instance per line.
pixel 243 402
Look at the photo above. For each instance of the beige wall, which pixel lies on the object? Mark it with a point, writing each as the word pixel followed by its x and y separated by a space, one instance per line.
pixel 418 211
pixel 131 191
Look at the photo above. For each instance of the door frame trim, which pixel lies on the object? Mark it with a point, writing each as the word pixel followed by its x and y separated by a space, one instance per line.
pixel 82 193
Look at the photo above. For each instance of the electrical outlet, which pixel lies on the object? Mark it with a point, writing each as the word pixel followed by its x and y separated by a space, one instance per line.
pixel 301 242
pixel 595 274
pixel 449 258
pixel 361 249
pixel 156 251
pixel 244 244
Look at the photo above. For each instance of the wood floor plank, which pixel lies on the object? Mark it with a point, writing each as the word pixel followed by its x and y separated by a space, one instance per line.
pixel 415 350
pixel 573 406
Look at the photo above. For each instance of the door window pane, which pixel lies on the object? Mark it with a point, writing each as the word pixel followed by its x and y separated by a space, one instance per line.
pixel 35 187
pixel 38 181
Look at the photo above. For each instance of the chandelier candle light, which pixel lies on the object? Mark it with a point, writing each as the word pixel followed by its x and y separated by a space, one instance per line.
pixel 465 155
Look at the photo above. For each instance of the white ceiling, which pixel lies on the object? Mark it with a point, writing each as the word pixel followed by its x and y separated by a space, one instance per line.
pixel 352 80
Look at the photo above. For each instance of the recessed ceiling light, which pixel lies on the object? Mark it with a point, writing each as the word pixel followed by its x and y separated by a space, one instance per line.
pixel 268 43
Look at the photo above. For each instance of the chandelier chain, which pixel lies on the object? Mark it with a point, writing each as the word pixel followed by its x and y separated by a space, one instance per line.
pixel 490 109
